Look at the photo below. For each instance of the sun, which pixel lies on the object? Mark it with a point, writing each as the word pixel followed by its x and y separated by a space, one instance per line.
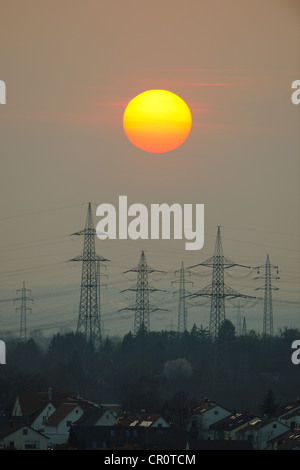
pixel 157 121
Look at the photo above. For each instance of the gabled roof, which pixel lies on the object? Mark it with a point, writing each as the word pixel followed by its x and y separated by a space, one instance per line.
pixel 13 427
pixel 256 424
pixel 91 416
pixel 286 408
pixel 291 414
pixel 31 403
pixel 61 413
pixel 204 405
pixel 287 440
pixel 290 442
pixel 231 422
pixel 137 420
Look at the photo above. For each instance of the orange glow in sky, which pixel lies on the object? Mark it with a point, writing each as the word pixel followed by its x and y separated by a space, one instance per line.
pixel 157 121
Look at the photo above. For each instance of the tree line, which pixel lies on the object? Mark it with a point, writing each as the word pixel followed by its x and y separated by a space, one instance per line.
pixel 157 371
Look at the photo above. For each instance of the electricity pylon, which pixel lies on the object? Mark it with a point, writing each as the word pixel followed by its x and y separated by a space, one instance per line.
pixel 218 291
pixel 142 307
pixel 238 320
pixel 23 310
pixel 89 319
pixel 182 307
pixel 244 329
pixel 268 304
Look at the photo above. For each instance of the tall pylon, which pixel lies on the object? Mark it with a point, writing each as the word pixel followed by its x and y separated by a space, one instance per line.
pixel 268 303
pixel 89 318
pixel 182 302
pixel 218 291
pixel 244 329
pixel 238 320
pixel 142 308
pixel 24 298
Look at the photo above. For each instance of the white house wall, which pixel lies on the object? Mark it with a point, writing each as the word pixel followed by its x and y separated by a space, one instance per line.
pixel 107 419
pixel 21 441
pixel 59 434
pixel 38 423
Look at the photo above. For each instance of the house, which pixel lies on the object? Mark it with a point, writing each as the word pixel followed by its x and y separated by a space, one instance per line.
pixel 57 426
pixel 143 419
pixel 226 428
pixel 291 419
pixel 126 438
pixel 261 431
pixel 19 436
pixel 289 440
pixel 205 413
pixel 289 414
pixel 38 407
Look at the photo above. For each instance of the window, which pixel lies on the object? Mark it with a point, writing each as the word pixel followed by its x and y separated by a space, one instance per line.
pixel 25 432
pixel 32 445
pixel 69 423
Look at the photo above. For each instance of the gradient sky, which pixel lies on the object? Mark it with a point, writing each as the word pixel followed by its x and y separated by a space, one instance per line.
pixel 70 68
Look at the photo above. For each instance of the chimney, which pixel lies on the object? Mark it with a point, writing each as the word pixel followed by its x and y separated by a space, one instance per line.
pixel 49 393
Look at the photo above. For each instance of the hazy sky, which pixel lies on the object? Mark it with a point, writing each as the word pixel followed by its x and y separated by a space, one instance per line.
pixel 70 68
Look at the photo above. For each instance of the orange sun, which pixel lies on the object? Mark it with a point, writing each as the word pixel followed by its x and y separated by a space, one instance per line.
pixel 157 121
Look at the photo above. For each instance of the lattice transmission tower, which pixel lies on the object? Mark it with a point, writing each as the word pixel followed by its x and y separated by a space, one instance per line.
pixel 182 301
pixel 89 318
pixel 218 291
pixel 23 309
pixel 244 328
pixel 268 303
pixel 142 307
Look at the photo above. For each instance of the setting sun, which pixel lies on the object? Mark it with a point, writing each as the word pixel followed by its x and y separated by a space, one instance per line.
pixel 157 121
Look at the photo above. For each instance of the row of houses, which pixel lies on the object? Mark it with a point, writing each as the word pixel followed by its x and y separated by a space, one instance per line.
pixel 54 420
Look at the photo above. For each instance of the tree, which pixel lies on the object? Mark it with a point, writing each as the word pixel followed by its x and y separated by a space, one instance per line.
pixel 178 369
pixel 177 409
pixel 268 406
pixel 226 331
